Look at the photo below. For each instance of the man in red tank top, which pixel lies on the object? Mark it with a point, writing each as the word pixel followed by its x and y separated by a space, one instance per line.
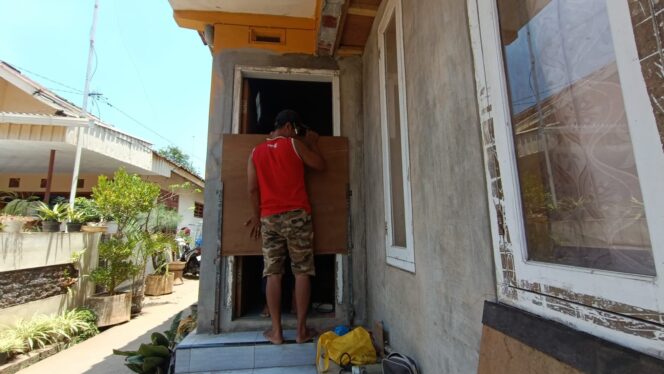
pixel 282 215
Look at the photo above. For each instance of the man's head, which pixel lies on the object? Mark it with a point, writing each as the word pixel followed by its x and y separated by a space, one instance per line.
pixel 288 123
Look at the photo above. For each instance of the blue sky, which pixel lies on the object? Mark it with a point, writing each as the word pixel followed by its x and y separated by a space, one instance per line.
pixel 146 65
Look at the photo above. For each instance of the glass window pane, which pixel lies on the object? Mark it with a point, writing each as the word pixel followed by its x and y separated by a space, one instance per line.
pixel 581 196
pixel 394 135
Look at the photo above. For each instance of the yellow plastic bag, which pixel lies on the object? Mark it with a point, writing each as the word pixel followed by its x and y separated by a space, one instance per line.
pixel 353 348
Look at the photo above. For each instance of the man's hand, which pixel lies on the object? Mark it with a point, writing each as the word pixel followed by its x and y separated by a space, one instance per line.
pixel 307 148
pixel 255 224
pixel 311 139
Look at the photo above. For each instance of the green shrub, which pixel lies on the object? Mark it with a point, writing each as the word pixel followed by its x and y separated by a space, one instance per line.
pixel 124 197
pixel 21 207
pixel 57 213
pixel 70 327
pixel 115 254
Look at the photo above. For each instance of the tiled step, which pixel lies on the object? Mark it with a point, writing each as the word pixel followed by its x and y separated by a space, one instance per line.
pixel 311 369
pixel 243 352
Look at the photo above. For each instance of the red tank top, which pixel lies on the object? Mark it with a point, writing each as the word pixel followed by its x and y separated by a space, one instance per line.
pixel 280 173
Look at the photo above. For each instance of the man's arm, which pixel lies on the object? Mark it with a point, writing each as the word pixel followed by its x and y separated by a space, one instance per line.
pixel 309 152
pixel 254 197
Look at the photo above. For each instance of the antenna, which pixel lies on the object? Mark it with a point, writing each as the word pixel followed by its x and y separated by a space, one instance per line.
pixel 86 90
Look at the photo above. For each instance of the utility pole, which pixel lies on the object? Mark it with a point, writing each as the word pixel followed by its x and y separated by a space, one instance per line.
pixel 86 90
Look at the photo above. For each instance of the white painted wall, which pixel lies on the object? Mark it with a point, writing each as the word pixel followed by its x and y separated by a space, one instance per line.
pixel 186 210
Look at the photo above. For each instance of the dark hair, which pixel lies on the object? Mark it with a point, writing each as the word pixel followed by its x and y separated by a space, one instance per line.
pixel 286 116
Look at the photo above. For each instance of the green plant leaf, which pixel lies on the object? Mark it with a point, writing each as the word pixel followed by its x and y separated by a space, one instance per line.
pixel 149 350
pixel 125 353
pixel 150 363
pixel 159 339
pixel 136 360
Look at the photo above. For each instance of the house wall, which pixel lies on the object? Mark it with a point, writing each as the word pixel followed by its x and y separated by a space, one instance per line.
pixel 32 182
pixel 221 110
pixel 435 313
pixel 13 99
pixel 62 184
pixel 186 210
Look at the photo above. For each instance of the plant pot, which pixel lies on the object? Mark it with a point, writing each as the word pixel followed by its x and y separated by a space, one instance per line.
pixel 74 227
pixel 136 303
pixel 156 285
pixel 111 227
pixel 50 226
pixel 177 268
pixel 12 226
pixel 111 310
pixel 93 228
pixel 4 357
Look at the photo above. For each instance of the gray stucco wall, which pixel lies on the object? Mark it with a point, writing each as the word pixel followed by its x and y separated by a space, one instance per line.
pixel 435 314
pixel 221 111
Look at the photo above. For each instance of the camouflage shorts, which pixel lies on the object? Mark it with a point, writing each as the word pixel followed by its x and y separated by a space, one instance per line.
pixel 288 233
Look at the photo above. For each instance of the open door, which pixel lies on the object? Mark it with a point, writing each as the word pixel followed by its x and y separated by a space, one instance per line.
pixel 327 194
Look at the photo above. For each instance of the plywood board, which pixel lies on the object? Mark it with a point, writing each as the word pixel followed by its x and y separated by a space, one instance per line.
pixel 327 194
pixel 356 30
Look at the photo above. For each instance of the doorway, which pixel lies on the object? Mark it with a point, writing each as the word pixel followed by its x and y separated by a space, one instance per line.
pixel 261 95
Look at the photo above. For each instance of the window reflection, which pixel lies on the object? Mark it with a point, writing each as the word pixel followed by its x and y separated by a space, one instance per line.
pixel 581 196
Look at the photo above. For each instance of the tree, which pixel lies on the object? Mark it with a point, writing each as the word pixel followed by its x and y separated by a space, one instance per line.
pixel 124 197
pixel 176 155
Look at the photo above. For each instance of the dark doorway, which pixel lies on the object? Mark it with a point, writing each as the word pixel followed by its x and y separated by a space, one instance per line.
pixel 251 296
pixel 262 99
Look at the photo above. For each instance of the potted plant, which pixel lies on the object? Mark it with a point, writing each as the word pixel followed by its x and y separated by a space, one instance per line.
pixel 17 213
pixel 113 307
pixel 93 219
pixel 75 220
pixel 159 246
pixel 150 247
pixel 51 217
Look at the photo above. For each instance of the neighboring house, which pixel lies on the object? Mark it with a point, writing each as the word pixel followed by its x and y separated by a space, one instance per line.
pixel 504 173
pixel 37 127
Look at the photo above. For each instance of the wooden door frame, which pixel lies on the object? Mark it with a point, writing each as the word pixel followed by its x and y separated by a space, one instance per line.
pixel 289 74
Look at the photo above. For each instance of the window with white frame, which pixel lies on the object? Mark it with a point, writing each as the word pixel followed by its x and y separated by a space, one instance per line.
pixel 580 162
pixel 394 126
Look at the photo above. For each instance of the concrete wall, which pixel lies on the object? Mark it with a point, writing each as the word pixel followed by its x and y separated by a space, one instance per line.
pixel 31 251
pixel 186 210
pixel 221 110
pixel 435 314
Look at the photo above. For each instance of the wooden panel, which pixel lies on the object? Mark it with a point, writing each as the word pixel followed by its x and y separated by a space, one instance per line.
pixel 374 3
pixel 356 30
pixel 327 194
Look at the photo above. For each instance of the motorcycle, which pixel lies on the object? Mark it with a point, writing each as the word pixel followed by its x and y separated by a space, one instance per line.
pixel 192 258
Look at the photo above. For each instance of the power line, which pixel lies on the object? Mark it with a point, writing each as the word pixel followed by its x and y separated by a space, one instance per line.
pixel 98 97
pixel 77 91
pixel 105 100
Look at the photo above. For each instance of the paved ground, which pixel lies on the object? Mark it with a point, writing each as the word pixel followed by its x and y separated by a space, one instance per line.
pixel 95 355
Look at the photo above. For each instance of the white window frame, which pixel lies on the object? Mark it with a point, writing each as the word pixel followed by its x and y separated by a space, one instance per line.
pixel 398 256
pixel 601 286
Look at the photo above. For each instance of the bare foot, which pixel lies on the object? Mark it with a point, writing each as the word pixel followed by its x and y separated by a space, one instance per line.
pixel 273 337
pixel 265 313
pixel 308 335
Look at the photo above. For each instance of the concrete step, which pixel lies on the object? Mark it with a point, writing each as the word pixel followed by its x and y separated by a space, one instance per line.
pixel 311 369
pixel 243 352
